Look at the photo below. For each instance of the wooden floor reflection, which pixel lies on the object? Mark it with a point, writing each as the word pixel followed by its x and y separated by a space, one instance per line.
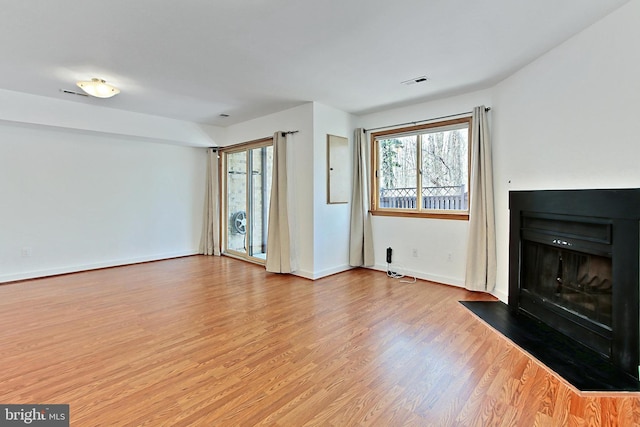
pixel 216 341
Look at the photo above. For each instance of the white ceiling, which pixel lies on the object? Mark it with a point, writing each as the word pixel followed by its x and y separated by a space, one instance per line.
pixel 196 59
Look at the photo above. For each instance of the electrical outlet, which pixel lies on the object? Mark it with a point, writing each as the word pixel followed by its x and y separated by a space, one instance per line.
pixel 414 252
pixel 26 252
pixel 449 257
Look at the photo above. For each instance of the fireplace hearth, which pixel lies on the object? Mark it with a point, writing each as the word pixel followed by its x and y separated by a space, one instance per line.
pixel 574 265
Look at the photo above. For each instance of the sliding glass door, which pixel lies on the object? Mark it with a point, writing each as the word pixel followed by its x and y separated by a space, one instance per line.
pixel 247 186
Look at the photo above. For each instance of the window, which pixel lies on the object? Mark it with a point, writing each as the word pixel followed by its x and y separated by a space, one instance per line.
pixel 422 170
pixel 246 190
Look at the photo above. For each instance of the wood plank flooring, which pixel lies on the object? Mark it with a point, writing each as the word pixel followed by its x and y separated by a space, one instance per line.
pixel 585 370
pixel 210 341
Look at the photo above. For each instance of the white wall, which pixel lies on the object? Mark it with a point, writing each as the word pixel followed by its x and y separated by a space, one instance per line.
pixel 83 186
pixel 441 245
pixel 331 221
pixel 568 120
pixel 564 121
pixel 301 149
pixel 26 108
pixel 321 230
pixel 75 200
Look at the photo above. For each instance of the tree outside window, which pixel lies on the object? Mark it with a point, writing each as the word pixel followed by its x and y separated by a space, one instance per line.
pixel 422 170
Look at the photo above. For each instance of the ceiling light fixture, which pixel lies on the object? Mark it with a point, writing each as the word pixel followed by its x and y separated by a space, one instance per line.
pixel 98 88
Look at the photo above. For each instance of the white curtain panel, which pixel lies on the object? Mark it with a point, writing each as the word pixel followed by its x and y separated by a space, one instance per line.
pixel 361 234
pixel 279 254
pixel 210 239
pixel 481 247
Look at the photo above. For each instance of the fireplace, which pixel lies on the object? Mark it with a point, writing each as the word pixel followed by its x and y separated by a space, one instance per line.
pixel 574 265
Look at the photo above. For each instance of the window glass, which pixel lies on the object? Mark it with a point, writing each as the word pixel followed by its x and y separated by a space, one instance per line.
pixel 247 187
pixel 398 172
pixel 422 170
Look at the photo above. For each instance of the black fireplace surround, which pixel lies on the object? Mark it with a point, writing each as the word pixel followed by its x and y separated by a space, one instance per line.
pixel 574 264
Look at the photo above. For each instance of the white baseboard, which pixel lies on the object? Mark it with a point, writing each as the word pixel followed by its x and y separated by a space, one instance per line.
pixel 452 281
pixel 324 273
pixel 158 257
pixel 303 273
pixel 501 296
pixel 92 266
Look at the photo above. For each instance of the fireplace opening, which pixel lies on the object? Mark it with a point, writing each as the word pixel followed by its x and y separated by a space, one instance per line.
pixel 574 265
pixel 571 285
pixel 573 281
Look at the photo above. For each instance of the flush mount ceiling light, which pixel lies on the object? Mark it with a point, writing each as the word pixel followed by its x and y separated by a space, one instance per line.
pixel 98 88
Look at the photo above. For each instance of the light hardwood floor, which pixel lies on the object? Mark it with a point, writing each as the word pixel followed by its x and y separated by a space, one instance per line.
pixel 209 341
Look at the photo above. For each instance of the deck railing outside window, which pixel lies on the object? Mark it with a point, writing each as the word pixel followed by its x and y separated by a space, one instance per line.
pixel 438 198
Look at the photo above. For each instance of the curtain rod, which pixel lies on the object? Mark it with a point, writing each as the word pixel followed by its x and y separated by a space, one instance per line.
pixel 283 134
pixel 425 120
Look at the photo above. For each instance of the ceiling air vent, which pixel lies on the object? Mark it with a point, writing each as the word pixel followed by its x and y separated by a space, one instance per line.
pixel 415 80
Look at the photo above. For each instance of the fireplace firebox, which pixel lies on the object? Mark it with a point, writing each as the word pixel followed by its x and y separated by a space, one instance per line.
pixel 575 266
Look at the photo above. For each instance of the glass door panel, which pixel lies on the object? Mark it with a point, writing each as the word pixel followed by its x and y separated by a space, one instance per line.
pixel 260 185
pixel 247 191
pixel 236 166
